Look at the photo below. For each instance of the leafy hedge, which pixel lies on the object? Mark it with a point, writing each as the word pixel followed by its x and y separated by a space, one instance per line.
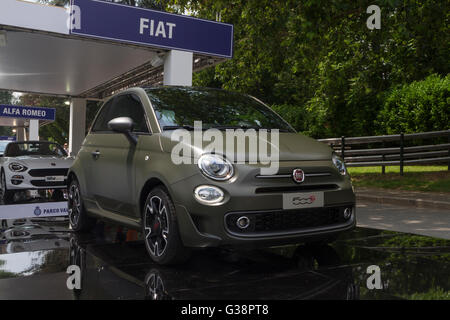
pixel 416 107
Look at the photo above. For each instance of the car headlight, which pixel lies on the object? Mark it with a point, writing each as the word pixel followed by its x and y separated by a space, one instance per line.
pixel 339 164
pixel 215 167
pixel 17 167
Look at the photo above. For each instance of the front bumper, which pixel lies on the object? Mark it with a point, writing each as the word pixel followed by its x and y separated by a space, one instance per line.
pixel 193 237
pixel 202 226
pixel 36 180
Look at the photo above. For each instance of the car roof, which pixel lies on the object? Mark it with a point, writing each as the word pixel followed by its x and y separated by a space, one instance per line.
pixel 170 88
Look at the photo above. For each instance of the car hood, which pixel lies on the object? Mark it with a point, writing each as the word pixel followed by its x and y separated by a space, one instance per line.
pixel 291 147
pixel 43 161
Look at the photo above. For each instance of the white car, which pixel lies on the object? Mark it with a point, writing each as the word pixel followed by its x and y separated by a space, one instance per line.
pixel 33 237
pixel 33 165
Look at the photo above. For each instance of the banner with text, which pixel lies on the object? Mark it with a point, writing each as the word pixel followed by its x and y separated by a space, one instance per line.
pixel 33 210
pixel 24 112
pixel 112 21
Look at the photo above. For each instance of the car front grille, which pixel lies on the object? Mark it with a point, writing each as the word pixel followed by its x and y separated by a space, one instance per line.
pixel 285 220
pixel 303 188
pixel 48 172
pixel 43 183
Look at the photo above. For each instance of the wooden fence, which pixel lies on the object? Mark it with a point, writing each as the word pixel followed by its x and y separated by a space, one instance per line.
pixel 403 149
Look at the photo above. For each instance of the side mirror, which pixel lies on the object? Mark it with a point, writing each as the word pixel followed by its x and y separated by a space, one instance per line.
pixel 123 125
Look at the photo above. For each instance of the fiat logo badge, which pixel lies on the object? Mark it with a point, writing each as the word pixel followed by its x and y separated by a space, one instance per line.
pixel 298 175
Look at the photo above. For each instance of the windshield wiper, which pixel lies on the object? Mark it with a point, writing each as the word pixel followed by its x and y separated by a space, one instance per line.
pixel 184 126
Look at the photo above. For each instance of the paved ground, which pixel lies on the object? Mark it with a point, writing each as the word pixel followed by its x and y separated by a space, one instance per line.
pixel 438 200
pixel 424 221
pixel 114 268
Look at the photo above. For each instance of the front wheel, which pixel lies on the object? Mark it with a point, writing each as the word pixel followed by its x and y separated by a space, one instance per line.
pixel 160 229
pixel 6 195
pixel 78 218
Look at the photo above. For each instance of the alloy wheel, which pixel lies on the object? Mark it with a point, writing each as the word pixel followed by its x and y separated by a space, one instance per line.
pixel 155 287
pixel 74 204
pixel 3 188
pixel 3 183
pixel 156 226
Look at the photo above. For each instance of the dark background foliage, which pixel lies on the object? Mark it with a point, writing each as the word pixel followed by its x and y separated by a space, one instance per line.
pixel 317 64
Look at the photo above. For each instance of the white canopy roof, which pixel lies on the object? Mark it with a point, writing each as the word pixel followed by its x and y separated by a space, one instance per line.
pixel 39 56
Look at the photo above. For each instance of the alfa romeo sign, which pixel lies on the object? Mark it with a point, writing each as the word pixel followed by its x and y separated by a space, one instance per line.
pixel 27 112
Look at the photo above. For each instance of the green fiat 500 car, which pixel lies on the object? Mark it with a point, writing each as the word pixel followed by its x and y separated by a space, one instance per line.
pixel 147 163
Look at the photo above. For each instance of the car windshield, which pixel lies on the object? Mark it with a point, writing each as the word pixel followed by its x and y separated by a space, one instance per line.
pixel 179 107
pixel 3 145
pixel 34 149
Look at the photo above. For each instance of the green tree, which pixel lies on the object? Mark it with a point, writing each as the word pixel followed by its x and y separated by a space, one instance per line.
pixel 153 4
pixel 416 107
pixel 319 65
pixel 5 98
pixel 315 61
pixel 57 131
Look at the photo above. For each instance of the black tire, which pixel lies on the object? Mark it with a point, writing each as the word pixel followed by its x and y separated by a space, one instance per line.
pixel 78 218
pixel 58 195
pixel 6 195
pixel 159 219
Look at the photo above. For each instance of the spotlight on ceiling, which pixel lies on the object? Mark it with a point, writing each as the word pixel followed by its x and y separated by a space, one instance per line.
pixel 156 61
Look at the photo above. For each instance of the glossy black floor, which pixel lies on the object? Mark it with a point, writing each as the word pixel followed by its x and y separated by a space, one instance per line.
pixel 35 253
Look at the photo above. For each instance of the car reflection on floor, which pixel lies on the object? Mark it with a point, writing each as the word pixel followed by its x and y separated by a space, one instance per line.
pixel 119 271
pixel 114 265
pixel 35 234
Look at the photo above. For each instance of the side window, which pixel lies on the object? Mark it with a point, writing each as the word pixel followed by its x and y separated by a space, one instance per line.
pixel 101 123
pixel 129 105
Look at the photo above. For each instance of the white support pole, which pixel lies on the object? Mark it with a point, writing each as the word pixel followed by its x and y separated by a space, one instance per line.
pixel 20 134
pixel 178 68
pixel 33 131
pixel 77 128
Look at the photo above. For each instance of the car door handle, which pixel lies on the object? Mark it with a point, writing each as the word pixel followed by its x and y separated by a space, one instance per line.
pixel 96 154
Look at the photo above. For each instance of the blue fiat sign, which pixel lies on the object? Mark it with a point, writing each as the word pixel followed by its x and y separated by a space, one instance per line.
pixel 27 112
pixel 117 22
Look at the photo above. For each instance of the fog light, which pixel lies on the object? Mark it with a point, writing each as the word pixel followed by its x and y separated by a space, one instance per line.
pixel 348 213
pixel 208 194
pixel 243 222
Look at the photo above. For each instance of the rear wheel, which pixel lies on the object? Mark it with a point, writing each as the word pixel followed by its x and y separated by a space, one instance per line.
pixel 78 218
pixel 6 195
pixel 160 229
